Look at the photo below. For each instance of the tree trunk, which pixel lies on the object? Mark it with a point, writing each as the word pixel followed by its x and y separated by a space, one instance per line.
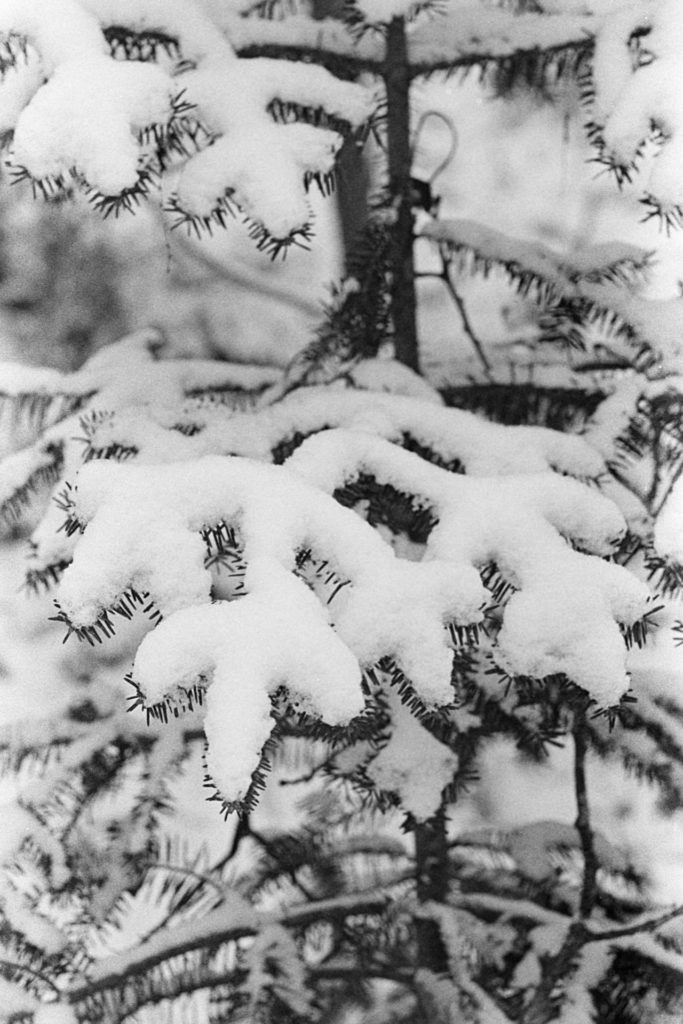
pixel 352 174
pixel 403 302
pixel 431 860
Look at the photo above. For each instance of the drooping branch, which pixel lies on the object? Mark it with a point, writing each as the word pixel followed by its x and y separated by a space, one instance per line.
pixel 648 924
pixel 224 925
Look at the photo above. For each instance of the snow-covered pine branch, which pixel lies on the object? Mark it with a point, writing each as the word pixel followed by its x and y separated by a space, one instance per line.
pixel 477 248
pixel 452 37
pixel 443 577
pixel 133 515
pixel 75 113
pixel 183 91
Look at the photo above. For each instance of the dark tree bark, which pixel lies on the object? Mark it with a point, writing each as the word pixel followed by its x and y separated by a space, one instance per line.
pixel 352 176
pixel 403 301
pixel 431 862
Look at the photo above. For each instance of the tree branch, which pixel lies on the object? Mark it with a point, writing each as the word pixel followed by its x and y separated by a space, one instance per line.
pixel 455 295
pixel 649 925
pixel 222 932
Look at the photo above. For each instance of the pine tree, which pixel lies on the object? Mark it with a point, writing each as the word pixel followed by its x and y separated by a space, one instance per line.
pixel 334 566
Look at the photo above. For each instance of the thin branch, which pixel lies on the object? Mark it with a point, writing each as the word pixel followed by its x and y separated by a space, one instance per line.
pixel 349 65
pixel 444 276
pixel 246 277
pixel 336 908
pixel 289 872
pixel 649 925
pixel 11 965
pixel 180 870
pixel 342 64
pixel 241 830
pixel 464 62
pixel 132 997
pixel 466 323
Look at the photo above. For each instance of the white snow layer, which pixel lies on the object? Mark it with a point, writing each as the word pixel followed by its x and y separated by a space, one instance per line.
pixel 277 635
pixel 14 1000
pixel 484 448
pixel 55 1013
pixel 92 112
pixel 563 617
pixel 412 764
pixel 377 12
pixel 632 97
pixel 86 116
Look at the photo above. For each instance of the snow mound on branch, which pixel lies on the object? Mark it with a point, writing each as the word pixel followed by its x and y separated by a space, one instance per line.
pixel 136 515
pixel 532 845
pixel 482 447
pixel 564 618
pixel 633 96
pixel 277 635
pixel 132 372
pixel 97 118
pixel 413 764
pixel 658 323
pixel 87 116
pixel 518 523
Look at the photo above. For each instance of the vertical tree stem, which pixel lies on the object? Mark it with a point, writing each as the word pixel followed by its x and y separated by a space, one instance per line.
pixel 583 821
pixel 403 300
pixel 563 964
pixel 431 864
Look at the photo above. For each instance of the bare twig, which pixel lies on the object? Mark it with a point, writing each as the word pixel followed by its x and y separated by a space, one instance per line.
pixel 444 276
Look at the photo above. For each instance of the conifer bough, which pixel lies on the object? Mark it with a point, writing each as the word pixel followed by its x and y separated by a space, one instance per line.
pixel 444 578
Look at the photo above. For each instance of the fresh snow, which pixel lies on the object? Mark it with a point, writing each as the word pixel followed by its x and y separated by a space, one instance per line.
pixel 412 764
pixel 632 99
pixel 479 243
pixel 14 999
pixel 134 515
pixel 532 846
pixel 226 643
pixel 484 448
pixel 55 1013
pixel 377 12
pixel 86 116
pixel 131 372
pixel 92 114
